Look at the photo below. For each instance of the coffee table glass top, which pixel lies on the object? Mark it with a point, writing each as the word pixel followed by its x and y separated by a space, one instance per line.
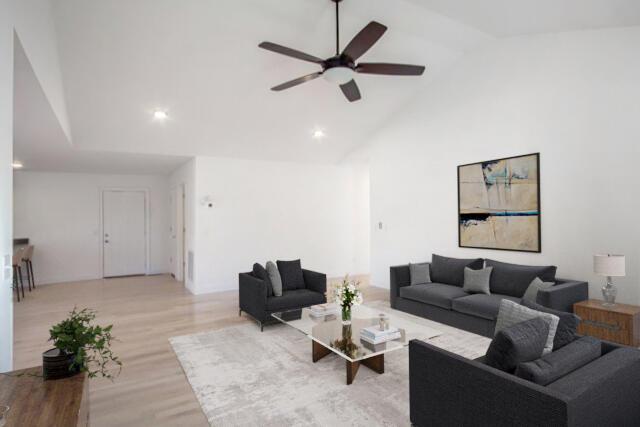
pixel 344 340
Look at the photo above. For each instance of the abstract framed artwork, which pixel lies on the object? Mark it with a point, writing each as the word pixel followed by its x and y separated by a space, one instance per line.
pixel 499 204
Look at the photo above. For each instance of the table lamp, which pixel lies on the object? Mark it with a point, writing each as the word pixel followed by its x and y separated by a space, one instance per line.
pixel 609 266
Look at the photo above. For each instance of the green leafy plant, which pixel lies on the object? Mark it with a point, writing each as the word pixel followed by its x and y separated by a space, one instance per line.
pixel 90 345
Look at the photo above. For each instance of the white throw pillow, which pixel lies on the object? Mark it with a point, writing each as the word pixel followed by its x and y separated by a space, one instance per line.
pixel 511 313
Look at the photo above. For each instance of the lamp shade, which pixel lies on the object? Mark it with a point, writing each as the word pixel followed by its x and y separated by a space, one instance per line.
pixel 609 265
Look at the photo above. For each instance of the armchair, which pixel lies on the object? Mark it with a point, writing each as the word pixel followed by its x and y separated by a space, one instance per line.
pixel 258 302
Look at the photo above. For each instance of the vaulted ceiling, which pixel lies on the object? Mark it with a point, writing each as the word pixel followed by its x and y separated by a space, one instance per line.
pixel 199 61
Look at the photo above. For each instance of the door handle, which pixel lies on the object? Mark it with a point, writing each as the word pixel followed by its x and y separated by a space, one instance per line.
pixel 106 241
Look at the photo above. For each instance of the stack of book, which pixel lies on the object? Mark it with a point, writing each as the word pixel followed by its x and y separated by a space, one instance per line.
pixel 374 335
pixel 321 310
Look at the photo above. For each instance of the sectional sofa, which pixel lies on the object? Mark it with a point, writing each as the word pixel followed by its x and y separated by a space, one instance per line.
pixel 449 390
pixel 444 300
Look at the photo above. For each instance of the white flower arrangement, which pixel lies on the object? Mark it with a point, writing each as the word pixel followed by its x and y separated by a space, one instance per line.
pixel 347 293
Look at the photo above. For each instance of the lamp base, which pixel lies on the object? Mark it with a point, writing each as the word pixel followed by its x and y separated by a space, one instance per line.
pixel 609 293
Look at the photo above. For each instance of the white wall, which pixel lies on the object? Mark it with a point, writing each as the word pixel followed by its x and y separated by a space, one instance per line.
pixel 60 214
pixel 275 210
pixel 6 152
pixel 573 97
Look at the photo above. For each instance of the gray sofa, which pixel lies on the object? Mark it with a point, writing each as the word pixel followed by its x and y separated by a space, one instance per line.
pixel 446 302
pixel 449 390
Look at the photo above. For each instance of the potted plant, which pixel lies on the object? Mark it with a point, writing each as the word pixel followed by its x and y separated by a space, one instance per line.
pixel 347 295
pixel 80 347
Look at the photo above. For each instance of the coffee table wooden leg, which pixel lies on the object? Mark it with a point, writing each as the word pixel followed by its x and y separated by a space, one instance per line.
pixel 352 370
pixel 375 363
pixel 318 351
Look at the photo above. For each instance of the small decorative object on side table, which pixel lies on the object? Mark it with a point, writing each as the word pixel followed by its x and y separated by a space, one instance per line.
pixel 609 266
pixel 348 295
pixel 619 323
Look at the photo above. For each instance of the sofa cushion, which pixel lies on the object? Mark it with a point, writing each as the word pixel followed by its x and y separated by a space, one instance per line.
pixel 511 313
pixel 555 365
pixel 531 294
pixel 450 271
pixel 592 374
pixel 261 273
pixel 516 344
pixel 291 273
pixel 296 298
pixel 419 273
pixel 274 277
pixel 567 326
pixel 514 279
pixel 480 305
pixel 477 281
pixel 434 294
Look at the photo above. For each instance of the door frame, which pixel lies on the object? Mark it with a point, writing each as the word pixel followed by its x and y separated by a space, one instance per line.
pixel 178 252
pixel 144 190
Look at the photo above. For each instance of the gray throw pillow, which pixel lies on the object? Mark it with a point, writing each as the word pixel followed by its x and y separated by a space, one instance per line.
pixel 517 344
pixel 511 313
pixel 556 365
pixel 531 294
pixel 419 273
pixel 274 276
pixel 567 326
pixel 477 281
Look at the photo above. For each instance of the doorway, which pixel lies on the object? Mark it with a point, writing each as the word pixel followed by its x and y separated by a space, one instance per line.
pixel 124 232
pixel 178 231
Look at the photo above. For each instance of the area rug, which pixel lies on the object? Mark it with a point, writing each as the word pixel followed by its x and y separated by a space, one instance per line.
pixel 243 377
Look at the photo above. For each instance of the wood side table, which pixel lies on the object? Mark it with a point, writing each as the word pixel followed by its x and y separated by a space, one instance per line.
pixel 38 403
pixel 619 323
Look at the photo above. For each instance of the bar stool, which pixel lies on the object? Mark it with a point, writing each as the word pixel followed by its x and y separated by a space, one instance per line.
pixel 17 274
pixel 27 254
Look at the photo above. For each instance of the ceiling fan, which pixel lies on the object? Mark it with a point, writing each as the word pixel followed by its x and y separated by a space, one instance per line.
pixel 342 67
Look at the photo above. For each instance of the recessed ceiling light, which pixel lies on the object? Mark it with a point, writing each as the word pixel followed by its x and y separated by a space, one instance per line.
pixel 160 115
pixel 318 134
pixel 17 165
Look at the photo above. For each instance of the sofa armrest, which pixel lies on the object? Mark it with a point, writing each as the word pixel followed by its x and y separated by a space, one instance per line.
pixel 563 295
pixel 253 295
pixel 448 390
pixel 315 281
pixel 605 392
pixel 400 276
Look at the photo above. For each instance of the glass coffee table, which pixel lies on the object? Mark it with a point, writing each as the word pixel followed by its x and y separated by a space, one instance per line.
pixel 329 335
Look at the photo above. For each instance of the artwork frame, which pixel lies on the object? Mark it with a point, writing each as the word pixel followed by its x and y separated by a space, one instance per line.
pixel 525 215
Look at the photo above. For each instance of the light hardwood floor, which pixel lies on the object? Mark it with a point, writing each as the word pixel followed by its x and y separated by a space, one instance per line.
pixel 145 311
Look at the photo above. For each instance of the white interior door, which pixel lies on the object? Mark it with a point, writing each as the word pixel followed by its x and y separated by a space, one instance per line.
pixel 173 232
pixel 124 233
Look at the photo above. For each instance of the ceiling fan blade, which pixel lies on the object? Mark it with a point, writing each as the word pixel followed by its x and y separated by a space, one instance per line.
pixel 390 69
pixel 290 52
pixel 363 41
pixel 297 81
pixel 351 91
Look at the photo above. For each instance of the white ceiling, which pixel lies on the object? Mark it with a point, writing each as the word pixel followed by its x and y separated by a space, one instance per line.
pixel 516 17
pixel 200 60
pixel 41 144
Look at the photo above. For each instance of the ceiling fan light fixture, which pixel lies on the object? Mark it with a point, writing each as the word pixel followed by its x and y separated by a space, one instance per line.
pixel 338 75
